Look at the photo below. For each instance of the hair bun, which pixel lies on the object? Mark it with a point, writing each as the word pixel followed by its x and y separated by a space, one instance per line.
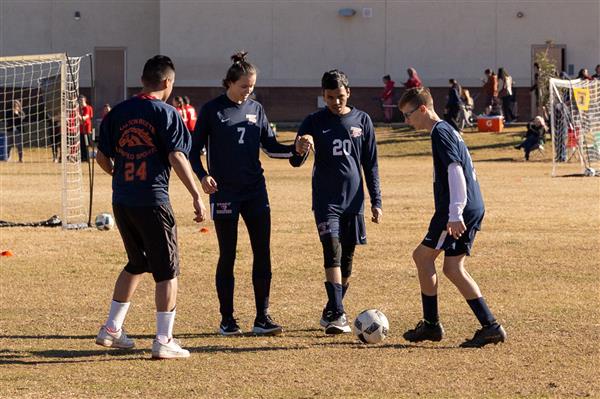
pixel 240 56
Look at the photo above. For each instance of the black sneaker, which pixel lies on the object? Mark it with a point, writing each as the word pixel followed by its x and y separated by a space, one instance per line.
pixel 265 325
pixel 425 331
pixel 229 326
pixel 491 334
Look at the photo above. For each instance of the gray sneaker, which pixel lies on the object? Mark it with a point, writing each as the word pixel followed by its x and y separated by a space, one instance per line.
pixel 337 323
pixel 170 350
pixel 112 339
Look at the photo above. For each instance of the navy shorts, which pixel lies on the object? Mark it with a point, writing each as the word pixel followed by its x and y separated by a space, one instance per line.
pixel 349 228
pixel 223 207
pixel 149 234
pixel 438 238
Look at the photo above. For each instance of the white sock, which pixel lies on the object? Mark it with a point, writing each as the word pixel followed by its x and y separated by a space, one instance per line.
pixel 164 326
pixel 116 315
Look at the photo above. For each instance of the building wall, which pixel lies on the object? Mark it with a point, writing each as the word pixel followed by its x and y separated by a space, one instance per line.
pixel 48 26
pixel 294 41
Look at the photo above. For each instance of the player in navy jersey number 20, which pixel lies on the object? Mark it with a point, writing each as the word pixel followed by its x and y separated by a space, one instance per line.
pixel 234 128
pixel 343 139
pixel 140 139
pixel 458 215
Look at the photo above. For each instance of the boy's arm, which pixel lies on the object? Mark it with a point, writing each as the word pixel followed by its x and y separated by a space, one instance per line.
pixel 105 162
pixel 458 200
pixel 371 169
pixel 304 142
pixel 182 168
pixel 199 141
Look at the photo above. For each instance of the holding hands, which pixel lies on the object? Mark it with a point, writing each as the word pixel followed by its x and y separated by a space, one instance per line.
pixel 304 144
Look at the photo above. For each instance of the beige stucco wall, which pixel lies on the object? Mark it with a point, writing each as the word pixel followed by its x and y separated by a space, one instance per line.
pixel 48 26
pixel 294 41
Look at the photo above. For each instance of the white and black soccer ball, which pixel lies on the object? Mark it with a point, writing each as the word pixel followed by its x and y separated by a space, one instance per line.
pixel 371 326
pixel 590 172
pixel 105 221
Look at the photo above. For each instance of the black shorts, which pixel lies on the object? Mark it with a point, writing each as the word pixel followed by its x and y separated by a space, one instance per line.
pixel 438 238
pixel 223 207
pixel 349 228
pixel 149 234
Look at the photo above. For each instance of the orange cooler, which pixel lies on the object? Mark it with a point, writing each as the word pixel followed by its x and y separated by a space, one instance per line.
pixel 490 123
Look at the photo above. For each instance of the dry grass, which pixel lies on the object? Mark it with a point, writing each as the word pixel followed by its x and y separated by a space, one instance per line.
pixel 537 261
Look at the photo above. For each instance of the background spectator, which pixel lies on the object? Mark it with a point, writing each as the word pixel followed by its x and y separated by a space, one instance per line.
pixel 584 74
pixel 490 89
pixel 505 85
pixel 597 74
pixel 387 98
pixel 413 79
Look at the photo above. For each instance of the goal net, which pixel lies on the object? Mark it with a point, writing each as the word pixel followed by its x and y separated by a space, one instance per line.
pixel 40 151
pixel 575 126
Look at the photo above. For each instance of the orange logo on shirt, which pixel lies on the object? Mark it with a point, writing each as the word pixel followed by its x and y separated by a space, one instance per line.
pixel 135 137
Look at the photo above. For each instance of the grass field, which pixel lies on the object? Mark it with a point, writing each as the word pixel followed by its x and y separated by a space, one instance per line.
pixel 537 261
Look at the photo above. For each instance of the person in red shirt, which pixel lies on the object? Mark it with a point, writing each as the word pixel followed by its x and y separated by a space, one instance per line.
pixel 387 98
pixel 190 112
pixel 413 79
pixel 179 106
pixel 86 112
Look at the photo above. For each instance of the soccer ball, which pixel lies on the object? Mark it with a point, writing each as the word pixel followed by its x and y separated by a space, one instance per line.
pixel 589 172
pixel 371 326
pixel 105 221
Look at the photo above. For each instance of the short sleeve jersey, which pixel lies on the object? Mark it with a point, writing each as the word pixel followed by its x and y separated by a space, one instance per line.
pixel 448 147
pixel 343 144
pixel 87 114
pixel 233 135
pixel 139 134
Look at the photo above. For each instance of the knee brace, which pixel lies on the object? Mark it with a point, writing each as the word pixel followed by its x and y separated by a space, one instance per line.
pixel 332 252
pixel 346 259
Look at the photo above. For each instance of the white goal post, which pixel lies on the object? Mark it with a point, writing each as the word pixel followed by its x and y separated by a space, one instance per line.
pixel 574 109
pixel 40 151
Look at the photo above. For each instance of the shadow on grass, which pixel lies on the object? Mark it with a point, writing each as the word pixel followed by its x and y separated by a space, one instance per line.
pixel 69 356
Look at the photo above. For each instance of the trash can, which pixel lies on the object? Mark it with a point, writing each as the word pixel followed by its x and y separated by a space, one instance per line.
pixel 3 154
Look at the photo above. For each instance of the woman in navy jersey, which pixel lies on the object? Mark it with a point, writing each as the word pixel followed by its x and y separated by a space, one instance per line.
pixel 233 128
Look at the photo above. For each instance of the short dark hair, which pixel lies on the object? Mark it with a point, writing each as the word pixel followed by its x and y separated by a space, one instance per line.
pixel 416 97
pixel 239 68
pixel 487 71
pixel 157 69
pixel 387 77
pixel 334 79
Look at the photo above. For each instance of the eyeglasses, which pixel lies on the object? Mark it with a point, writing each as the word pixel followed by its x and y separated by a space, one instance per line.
pixel 409 113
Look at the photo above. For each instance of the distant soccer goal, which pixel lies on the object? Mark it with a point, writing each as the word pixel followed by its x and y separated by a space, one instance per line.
pixel 575 126
pixel 40 155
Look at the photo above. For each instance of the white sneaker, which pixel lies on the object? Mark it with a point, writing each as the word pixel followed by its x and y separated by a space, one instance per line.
pixel 337 324
pixel 111 339
pixel 170 350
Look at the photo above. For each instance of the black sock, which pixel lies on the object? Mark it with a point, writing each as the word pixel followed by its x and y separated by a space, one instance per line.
pixel 345 289
pixel 334 294
pixel 482 312
pixel 430 308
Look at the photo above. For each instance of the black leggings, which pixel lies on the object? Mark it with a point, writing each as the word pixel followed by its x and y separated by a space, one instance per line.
pixel 259 230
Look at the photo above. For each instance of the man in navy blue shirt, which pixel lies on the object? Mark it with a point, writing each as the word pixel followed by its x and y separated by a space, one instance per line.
pixel 234 128
pixel 343 139
pixel 458 215
pixel 140 140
